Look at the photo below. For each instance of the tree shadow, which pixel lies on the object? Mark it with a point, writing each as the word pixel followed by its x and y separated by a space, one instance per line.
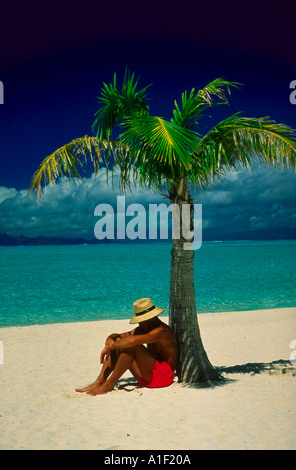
pixel 272 368
pixel 210 384
pixel 278 367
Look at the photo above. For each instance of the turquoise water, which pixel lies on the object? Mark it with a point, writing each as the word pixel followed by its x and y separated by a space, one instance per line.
pixel 50 284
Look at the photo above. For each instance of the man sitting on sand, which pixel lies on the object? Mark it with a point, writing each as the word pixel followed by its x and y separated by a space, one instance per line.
pixel 153 366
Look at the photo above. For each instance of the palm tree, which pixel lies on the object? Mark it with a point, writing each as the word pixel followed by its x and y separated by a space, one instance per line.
pixel 172 156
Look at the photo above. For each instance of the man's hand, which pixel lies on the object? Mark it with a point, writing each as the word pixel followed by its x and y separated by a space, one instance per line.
pixel 104 354
pixel 110 343
pixel 109 346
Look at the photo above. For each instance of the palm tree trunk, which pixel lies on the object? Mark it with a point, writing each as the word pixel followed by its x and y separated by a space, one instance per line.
pixel 193 365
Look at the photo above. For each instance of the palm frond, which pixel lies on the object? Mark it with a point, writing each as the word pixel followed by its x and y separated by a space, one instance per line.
pixel 115 104
pixel 134 101
pixel 160 140
pixel 218 89
pixel 109 111
pixel 239 141
pixel 213 94
pixel 68 161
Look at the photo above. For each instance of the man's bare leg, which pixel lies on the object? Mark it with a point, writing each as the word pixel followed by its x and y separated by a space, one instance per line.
pixel 106 370
pixel 138 360
pixel 124 362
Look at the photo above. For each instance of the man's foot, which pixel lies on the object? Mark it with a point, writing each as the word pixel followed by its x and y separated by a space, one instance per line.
pixel 101 389
pixel 90 387
pixel 96 389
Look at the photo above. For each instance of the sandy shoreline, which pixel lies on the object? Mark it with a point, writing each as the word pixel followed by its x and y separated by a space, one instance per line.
pixel 43 365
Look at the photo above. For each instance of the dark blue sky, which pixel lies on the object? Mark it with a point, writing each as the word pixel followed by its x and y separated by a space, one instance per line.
pixel 56 54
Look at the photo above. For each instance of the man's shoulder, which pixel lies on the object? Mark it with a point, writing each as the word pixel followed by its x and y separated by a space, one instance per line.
pixel 162 328
pixel 166 331
pixel 166 327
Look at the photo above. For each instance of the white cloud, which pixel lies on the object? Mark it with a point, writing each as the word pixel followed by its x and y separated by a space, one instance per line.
pixel 67 209
pixel 249 199
pixel 257 222
pixel 244 200
pixel 218 197
pixel 7 193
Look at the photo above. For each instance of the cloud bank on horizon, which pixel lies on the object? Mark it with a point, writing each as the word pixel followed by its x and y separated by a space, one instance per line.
pixel 246 200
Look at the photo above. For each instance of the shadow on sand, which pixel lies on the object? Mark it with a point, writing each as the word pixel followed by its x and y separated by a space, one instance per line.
pixel 272 368
pixel 253 368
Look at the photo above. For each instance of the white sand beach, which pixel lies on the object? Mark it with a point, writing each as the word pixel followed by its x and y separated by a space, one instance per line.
pixel 257 410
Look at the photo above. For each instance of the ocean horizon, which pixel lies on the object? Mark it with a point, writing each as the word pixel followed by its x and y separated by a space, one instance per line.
pixel 72 283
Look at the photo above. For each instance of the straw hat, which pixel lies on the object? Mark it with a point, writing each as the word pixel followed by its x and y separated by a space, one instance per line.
pixel 144 310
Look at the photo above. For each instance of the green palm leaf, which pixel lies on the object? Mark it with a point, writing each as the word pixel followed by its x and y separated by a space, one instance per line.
pixel 160 140
pixel 115 104
pixel 68 161
pixel 213 94
pixel 237 141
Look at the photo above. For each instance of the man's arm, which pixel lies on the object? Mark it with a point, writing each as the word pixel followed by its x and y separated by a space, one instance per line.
pixel 134 340
pixel 116 337
pixel 110 342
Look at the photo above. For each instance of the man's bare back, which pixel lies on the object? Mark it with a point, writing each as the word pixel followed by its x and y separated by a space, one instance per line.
pixel 166 347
